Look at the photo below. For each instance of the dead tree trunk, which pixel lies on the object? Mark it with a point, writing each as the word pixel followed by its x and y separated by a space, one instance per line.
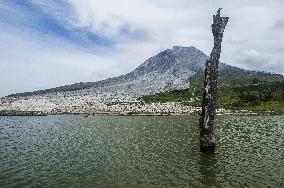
pixel 206 122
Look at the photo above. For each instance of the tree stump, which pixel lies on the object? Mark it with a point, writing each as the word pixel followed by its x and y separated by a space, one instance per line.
pixel 207 116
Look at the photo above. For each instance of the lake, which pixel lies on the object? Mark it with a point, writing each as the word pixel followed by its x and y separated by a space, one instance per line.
pixel 139 151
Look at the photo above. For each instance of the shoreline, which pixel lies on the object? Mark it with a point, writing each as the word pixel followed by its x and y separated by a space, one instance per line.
pixel 87 114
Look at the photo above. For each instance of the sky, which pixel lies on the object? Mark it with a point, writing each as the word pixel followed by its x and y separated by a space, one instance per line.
pixel 49 43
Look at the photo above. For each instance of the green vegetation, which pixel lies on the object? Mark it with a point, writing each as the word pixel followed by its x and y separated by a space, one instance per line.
pixel 239 89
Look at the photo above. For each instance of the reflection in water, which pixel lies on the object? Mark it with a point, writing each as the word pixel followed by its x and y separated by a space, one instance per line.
pixel 208 168
pixel 116 151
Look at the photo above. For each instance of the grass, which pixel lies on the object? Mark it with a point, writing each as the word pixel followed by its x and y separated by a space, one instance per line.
pixel 258 91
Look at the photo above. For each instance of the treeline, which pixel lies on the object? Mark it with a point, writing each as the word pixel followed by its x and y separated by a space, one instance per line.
pixel 261 96
pixel 236 90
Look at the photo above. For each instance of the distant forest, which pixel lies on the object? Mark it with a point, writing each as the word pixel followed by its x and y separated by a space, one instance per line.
pixel 242 89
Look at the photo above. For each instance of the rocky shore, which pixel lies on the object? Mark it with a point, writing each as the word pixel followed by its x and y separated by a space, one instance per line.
pixel 116 113
pixel 108 103
pixel 102 105
pixel 21 113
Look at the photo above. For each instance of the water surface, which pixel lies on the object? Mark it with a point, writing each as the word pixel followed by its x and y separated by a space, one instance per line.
pixel 133 151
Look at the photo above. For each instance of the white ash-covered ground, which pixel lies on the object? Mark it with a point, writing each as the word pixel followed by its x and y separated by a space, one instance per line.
pixel 91 102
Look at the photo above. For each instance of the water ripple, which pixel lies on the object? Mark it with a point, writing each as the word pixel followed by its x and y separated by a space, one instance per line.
pixel 116 151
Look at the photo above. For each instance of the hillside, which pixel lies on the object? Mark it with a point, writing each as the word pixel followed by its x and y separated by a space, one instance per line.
pixel 173 75
pixel 169 69
pixel 249 90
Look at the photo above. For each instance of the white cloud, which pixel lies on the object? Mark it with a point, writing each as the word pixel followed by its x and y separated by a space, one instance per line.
pixel 254 60
pixel 186 22
pixel 279 24
pixel 140 29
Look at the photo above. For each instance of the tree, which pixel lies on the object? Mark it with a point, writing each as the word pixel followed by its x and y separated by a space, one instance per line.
pixel 207 116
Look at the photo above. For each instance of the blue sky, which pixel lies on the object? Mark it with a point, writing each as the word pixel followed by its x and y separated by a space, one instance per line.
pixel 48 43
pixel 49 20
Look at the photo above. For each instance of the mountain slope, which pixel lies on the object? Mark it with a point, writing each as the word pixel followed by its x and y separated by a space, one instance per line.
pixel 236 90
pixel 170 69
pixel 178 70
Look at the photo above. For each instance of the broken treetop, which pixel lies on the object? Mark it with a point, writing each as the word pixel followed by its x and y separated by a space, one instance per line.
pixel 219 23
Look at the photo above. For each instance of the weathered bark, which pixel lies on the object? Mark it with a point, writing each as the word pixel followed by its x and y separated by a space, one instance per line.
pixel 207 115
